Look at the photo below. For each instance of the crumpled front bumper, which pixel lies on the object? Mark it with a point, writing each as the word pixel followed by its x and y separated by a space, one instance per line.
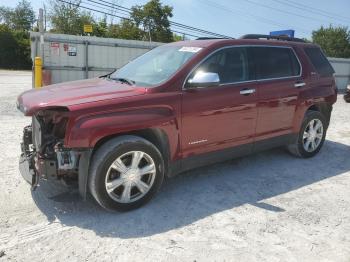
pixel 27 159
pixel 32 168
pixel 27 172
pixel 35 166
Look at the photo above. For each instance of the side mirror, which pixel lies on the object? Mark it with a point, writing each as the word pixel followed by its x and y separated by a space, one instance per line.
pixel 203 79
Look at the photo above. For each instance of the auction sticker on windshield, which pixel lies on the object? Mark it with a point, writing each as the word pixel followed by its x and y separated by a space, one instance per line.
pixel 190 49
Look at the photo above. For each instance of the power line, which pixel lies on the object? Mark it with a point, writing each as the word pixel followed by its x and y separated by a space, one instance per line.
pixel 94 5
pixel 283 11
pixel 91 9
pixel 113 11
pixel 197 29
pixel 183 26
pixel 121 17
pixel 115 6
pixel 186 30
pixel 118 6
pixel 254 16
pixel 184 33
pixel 225 8
pixel 314 10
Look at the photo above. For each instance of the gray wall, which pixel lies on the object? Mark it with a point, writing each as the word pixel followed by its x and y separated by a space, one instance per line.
pixel 342 71
pixel 69 57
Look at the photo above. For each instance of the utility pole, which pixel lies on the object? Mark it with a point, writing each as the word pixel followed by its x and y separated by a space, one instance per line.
pixel 149 33
pixel 38 60
pixel 41 30
pixel 44 18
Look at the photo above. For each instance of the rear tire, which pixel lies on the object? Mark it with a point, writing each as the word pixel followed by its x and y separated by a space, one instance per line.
pixel 311 136
pixel 347 97
pixel 126 172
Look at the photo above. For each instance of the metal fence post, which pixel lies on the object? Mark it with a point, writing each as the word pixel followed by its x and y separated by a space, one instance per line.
pixel 86 59
pixel 33 55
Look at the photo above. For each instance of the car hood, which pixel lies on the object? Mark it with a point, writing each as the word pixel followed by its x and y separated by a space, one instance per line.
pixel 72 93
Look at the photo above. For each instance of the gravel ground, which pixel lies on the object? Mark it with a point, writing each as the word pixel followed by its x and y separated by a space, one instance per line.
pixel 265 207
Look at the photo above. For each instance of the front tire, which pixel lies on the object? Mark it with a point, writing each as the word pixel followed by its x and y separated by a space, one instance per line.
pixel 311 135
pixel 125 173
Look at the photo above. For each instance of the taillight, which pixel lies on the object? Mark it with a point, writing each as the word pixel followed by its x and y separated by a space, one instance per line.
pixel 335 85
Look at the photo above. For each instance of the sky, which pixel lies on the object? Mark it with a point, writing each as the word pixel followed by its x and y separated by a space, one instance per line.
pixel 238 17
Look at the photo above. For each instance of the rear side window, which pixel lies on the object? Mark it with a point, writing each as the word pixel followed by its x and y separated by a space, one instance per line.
pixel 275 62
pixel 319 61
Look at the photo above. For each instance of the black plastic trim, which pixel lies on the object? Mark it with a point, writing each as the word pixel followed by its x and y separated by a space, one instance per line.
pixel 83 173
pixel 277 37
pixel 192 162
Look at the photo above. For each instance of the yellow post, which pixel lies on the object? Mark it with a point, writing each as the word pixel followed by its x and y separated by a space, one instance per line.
pixel 38 72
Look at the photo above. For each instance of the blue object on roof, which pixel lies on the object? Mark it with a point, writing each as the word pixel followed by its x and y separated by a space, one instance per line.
pixel 289 33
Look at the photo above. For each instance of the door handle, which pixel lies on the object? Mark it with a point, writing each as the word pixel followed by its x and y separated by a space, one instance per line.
pixel 299 84
pixel 247 91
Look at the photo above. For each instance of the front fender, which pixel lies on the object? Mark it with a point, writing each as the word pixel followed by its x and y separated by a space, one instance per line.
pixel 85 131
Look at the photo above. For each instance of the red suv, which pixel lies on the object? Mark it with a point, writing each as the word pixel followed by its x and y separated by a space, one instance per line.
pixel 177 107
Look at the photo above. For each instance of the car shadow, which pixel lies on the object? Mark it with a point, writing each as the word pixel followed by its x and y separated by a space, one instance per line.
pixel 199 193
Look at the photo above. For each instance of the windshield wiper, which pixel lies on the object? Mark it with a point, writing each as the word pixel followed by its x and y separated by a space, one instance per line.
pixel 123 80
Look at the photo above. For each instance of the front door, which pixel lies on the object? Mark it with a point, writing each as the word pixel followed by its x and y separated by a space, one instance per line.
pixel 218 117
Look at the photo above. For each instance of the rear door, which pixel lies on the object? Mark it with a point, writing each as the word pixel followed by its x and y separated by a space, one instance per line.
pixel 278 73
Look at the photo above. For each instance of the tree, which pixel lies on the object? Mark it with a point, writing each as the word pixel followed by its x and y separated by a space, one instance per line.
pixel 153 18
pixel 22 17
pixel 100 28
pixel 335 41
pixel 6 15
pixel 126 29
pixel 14 48
pixel 6 48
pixel 14 36
pixel 177 37
pixel 68 18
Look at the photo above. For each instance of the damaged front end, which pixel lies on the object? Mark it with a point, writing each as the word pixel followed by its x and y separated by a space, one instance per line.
pixel 43 153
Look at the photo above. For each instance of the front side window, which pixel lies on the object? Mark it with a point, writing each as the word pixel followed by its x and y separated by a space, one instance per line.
pixel 156 66
pixel 231 64
pixel 275 62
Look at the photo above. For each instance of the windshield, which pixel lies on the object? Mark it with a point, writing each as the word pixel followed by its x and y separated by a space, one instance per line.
pixel 155 66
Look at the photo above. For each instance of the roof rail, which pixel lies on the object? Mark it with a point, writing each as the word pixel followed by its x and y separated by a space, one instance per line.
pixel 275 37
pixel 212 38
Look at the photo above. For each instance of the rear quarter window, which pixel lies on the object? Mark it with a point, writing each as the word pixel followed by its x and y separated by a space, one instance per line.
pixel 319 61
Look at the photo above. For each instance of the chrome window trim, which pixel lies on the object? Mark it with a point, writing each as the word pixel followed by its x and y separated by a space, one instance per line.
pixel 247 81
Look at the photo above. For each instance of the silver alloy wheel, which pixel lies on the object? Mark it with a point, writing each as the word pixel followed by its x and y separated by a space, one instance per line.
pixel 313 135
pixel 130 177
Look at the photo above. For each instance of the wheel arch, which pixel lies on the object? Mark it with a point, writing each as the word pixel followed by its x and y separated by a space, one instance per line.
pixel 156 136
pixel 324 108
